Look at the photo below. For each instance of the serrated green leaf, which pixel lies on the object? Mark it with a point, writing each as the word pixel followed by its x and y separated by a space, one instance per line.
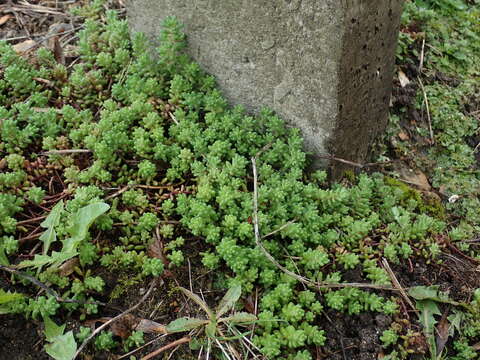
pixel 82 221
pixel 430 293
pixel 428 309
pixel 38 261
pixel 52 330
pixel 455 320
pixel 49 236
pixel 7 296
pixel 52 220
pixel 229 300
pixel 63 347
pixel 200 302
pixel 56 259
pixel 3 257
pixel 211 329
pixel 185 324
pixel 240 317
pixel 6 300
pixel 85 217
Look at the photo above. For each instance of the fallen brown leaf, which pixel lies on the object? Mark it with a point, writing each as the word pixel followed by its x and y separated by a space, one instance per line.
pixel 68 267
pixel 404 80
pixel 443 328
pixel 25 46
pixel 4 19
pixel 58 51
pixel 416 178
pixel 155 250
pixel 148 326
pixel 124 326
pixel 403 136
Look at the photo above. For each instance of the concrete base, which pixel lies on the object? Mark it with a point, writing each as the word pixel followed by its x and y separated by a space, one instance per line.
pixel 324 66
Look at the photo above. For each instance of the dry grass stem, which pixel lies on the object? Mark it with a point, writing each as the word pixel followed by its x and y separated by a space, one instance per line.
pixel 112 320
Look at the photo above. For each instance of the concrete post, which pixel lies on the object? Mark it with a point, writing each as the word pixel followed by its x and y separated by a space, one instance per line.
pixel 324 66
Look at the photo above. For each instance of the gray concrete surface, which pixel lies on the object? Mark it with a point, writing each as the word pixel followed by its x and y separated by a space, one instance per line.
pixel 324 66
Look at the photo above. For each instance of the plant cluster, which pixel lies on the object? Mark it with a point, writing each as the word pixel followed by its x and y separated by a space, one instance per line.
pixel 166 157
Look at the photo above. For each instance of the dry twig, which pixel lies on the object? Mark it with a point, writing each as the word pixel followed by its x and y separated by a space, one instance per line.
pixel 427 106
pixel 395 282
pixel 103 326
pixel 63 152
pixel 181 341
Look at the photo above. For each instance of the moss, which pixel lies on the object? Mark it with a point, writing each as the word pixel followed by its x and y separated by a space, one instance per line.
pixel 426 203
pixel 125 282
pixel 350 176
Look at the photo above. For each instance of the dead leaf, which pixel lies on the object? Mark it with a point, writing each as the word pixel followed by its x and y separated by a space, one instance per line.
pixel 403 136
pixel 148 326
pixel 4 19
pixel 249 304
pixel 25 46
pixel 416 178
pixel 404 80
pixel 476 346
pixel 443 330
pixel 68 267
pixel 44 81
pixel 124 326
pixel 155 250
pixel 58 51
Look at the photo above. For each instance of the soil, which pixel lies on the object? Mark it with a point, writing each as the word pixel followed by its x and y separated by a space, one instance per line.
pixel 20 339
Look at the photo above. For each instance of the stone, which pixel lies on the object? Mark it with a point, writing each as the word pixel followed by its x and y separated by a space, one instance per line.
pixel 323 66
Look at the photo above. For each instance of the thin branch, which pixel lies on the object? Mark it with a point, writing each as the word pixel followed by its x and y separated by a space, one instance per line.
pixel 68 151
pixel 117 193
pixel 32 220
pixel 425 98
pixel 279 229
pixel 181 341
pixel 32 280
pixel 141 347
pixel 47 289
pixel 396 283
pixel 302 279
pixel 352 163
pixel 422 57
pixel 100 328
